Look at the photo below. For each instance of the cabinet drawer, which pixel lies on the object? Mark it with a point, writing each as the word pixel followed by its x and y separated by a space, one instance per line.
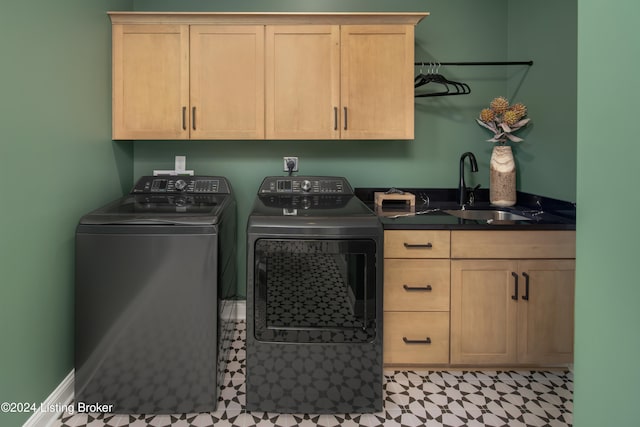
pixel 513 244
pixel 416 284
pixel 399 326
pixel 417 243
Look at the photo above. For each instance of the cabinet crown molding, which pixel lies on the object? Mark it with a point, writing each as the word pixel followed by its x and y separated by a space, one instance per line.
pixel 269 18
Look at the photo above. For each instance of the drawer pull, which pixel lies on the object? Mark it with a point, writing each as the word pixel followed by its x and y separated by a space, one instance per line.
pixel 418 245
pixel 408 288
pixel 408 341
pixel 515 278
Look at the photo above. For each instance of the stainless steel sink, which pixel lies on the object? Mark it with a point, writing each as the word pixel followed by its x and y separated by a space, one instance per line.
pixel 488 215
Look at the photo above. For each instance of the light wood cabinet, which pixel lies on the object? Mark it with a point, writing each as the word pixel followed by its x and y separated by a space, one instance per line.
pixel 377 99
pixel 302 81
pixel 513 244
pixel 478 297
pixel 416 297
pixel 188 82
pixel 416 338
pixel 215 76
pixel 416 284
pixel 339 82
pixel 545 318
pixel 150 81
pixel 417 243
pixel 227 81
pixel 512 311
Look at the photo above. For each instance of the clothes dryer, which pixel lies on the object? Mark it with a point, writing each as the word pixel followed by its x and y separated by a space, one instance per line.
pixel 314 299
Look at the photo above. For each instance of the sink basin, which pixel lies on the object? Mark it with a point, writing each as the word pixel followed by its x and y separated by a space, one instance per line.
pixel 488 215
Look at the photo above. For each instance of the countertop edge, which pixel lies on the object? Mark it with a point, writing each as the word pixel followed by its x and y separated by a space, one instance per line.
pixel 477 226
pixel 554 214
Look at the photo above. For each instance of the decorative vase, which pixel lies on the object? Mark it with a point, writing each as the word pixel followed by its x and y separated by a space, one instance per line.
pixel 502 180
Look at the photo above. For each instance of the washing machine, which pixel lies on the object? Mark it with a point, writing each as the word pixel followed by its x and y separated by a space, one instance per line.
pixel 314 299
pixel 155 279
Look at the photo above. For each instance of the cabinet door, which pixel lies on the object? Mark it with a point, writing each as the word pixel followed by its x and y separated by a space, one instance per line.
pixel 302 82
pixel 545 312
pixel 483 313
pixel 150 81
pixel 377 81
pixel 227 82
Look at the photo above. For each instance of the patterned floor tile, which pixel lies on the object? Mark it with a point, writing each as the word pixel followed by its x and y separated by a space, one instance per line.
pixel 267 419
pixel 411 398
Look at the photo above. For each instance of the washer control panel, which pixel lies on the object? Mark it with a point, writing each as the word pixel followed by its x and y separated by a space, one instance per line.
pixel 305 185
pixel 182 184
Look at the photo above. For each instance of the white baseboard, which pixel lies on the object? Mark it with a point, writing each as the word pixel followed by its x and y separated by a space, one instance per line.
pixel 241 310
pixel 54 405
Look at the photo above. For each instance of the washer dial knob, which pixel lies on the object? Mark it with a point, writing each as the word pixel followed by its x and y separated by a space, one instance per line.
pixel 181 185
pixel 306 185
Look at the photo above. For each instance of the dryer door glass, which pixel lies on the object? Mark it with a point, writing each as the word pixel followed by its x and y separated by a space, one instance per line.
pixel 315 290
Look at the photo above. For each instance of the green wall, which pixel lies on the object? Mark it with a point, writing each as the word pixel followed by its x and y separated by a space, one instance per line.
pixel 58 162
pixel 545 31
pixel 607 293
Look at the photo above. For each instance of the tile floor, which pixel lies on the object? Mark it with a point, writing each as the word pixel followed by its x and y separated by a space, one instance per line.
pixel 412 398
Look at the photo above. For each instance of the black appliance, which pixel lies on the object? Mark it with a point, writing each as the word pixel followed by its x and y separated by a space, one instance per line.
pixel 314 299
pixel 155 276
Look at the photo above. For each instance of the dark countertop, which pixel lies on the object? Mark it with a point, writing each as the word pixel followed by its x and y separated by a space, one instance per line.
pixel 544 213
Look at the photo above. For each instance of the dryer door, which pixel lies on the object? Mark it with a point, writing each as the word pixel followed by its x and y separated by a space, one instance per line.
pixel 316 290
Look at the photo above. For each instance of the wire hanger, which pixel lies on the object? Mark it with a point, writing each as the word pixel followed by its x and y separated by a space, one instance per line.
pixel 447 87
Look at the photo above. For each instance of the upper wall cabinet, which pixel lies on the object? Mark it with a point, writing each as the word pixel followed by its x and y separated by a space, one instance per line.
pixel 331 82
pixel 256 75
pixel 302 81
pixel 169 81
pixel 227 82
pixel 150 81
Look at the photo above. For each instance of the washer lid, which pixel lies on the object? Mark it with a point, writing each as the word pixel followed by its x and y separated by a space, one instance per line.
pixel 152 209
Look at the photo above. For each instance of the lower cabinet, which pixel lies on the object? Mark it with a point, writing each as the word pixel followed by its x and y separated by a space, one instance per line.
pixel 479 298
pixel 512 312
pixel 416 318
pixel 414 338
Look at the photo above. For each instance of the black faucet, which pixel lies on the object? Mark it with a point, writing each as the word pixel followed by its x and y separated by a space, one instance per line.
pixel 462 187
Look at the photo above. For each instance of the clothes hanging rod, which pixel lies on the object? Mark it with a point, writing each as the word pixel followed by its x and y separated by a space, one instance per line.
pixel 529 63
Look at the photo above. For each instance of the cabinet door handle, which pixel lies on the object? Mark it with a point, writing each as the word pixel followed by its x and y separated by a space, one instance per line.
pixel 408 288
pixel 526 287
pixel 345 118
pixel 418 245
pixel 515 295
pixel 424 341
pixel 193 118
pixel 335 118
pixel 184 118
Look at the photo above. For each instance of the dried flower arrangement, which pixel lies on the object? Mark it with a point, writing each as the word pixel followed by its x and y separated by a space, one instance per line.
pixel 503 119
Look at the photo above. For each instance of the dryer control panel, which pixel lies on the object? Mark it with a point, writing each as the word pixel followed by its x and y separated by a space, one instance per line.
pixel 182 184
pixel 305 185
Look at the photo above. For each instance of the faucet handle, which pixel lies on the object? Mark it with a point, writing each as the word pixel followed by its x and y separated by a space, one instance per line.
pixel 472 194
